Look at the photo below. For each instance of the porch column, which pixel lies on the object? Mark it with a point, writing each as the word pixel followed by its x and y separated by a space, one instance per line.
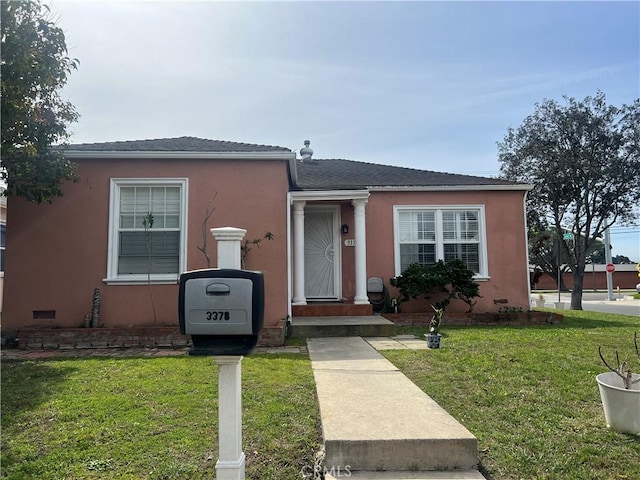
pixel 361 297
pixel 298 253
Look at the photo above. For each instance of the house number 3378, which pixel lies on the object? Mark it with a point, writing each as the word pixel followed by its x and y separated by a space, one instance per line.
pixel 217 316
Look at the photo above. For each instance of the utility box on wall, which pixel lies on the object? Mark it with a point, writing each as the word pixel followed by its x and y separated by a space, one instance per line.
pixel 222 310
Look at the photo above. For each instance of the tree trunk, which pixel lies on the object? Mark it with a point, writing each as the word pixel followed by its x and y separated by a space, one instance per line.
pixel 576 293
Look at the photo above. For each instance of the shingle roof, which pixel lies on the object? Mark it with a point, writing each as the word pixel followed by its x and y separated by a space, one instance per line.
pixel 180 144
pixel 320 174
pixel 337 174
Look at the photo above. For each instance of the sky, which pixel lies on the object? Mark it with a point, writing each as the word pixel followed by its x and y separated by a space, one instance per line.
pixel 422 84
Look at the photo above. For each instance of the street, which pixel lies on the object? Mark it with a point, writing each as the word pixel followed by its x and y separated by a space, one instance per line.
pixel 596 302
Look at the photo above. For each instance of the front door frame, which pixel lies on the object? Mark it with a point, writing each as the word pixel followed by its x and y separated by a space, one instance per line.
pixel 337 250
pixel 298 202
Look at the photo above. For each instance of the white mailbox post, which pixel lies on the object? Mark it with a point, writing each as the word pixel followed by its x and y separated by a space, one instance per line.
pixel 229 240
pixel 231 460
pixel 223 311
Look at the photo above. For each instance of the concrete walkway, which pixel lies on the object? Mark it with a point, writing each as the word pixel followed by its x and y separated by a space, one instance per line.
pixel 398 342
pixel 374 418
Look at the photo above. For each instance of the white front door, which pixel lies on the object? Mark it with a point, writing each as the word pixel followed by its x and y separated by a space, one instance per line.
pixel 322 253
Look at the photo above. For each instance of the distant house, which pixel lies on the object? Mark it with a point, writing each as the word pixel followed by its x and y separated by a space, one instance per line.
pixel 626 276
pixel 335 223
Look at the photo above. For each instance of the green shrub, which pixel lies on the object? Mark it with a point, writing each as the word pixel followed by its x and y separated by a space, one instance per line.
pixel 452 279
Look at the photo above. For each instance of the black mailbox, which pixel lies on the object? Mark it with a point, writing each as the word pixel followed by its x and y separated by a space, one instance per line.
pixel 222 310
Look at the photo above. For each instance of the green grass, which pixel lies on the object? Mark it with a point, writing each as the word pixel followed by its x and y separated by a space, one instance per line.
pixel 141 418
pixel 296 342
pixel 527 393
pixel 530 396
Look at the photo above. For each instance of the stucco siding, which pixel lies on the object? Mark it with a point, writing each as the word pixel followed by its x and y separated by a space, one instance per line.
pixel 57 253
pixel 505 243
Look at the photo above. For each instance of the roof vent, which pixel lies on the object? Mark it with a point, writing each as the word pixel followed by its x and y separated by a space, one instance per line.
pixel 306 152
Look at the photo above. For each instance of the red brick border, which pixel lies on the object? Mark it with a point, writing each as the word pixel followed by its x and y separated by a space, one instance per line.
pixel 489 319
pixel 70 338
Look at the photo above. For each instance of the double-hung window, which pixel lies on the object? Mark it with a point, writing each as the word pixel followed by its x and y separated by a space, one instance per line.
pixel 147 234
pixel 426 234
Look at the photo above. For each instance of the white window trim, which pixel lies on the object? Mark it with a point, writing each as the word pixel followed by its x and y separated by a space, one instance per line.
pixel 483 275
pixel 113 278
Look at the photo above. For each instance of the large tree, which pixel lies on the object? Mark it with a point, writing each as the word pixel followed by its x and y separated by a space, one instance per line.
pixel 546 256
pixel 583 159
pixel 34 68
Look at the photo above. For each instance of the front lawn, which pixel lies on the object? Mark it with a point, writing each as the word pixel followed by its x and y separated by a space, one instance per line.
pixel 530 396
pixel 527 393
pixel 134 418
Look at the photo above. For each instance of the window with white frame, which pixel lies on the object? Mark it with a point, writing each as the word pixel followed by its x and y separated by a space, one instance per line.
pixel 426 234
pixel 147 229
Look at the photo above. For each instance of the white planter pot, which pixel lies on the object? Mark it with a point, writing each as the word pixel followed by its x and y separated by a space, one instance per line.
pixel 540 303
pixel 621 406
pixel 559 305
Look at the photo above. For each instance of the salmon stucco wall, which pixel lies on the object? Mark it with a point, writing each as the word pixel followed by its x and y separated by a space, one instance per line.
pixel 57 253
pixel 507 285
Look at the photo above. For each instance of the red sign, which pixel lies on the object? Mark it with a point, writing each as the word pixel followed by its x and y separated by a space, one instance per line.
pixel 611 267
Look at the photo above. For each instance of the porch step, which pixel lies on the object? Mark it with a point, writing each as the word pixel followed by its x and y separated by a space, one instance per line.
pixel 331 309
pixel 375 419
pixel 363 326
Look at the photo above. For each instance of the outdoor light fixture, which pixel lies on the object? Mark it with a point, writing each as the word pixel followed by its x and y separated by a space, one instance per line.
pixel 345 229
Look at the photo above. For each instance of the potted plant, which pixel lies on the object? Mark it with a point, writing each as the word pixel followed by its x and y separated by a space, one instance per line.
pixel 620 394
pixel 540 301
pixel 433 337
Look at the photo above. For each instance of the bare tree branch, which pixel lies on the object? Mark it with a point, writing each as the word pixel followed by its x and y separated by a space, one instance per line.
pixel 205 233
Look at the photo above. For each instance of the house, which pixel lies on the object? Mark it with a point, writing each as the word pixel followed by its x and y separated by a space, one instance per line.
pixel 3 234
pixel 335 223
